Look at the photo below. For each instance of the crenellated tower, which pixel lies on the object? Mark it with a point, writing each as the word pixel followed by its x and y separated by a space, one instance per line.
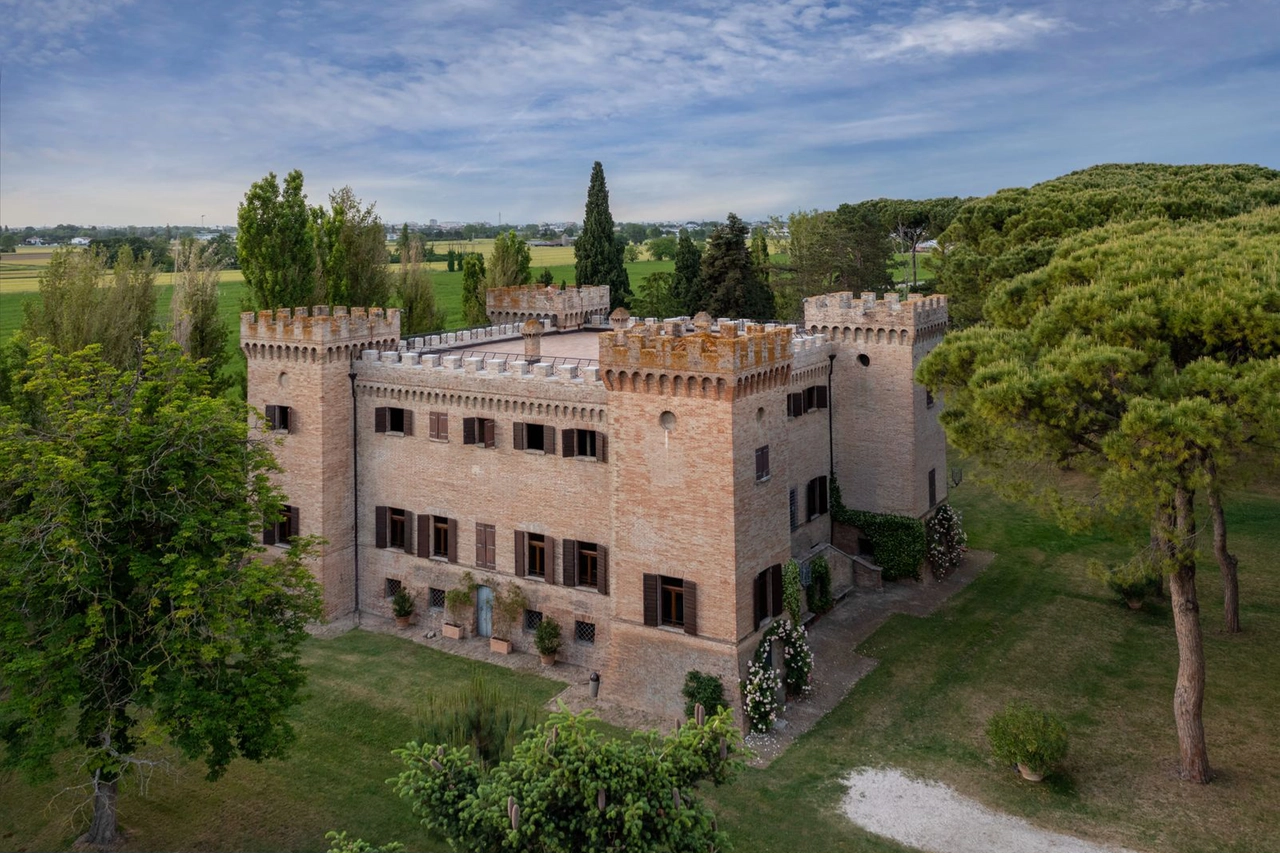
pixel 890 450
pixel 298 366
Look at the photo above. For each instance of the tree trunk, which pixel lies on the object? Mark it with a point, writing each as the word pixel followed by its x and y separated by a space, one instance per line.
pixel 103 830
pixel 1227 563
pixel 1188 694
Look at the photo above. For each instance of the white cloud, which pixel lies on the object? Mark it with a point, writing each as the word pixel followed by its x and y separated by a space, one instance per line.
pixel 956 34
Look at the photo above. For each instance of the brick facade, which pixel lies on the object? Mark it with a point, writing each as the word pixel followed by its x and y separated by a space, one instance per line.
pixel 680 497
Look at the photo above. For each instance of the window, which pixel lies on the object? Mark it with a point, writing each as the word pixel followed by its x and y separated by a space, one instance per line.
pixel 279 419
pixel 584 632
pixel 933 486
pixel 672 602
pixel 816 498
pixel 533 437
pixel 391 587
pixel 393 528
pixel 281 531
pixel 586 564
pixel 435 598
pixel 478 431
pixel 532 619
pixel 795 404
pixel 438 538
pixel 800 402
pixel 535 556
pixel 767 593
pixel 792 509
pixel 762 463
pixel 537 559
pixel 583 443
pixel 486 546
pixel 438 426
pixel 393 420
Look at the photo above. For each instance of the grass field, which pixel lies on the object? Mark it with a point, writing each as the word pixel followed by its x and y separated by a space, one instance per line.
pixel 1031 626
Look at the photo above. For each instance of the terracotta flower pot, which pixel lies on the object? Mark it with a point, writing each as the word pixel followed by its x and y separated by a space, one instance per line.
pixel 453 632
pixel 1134 603
pixel 1029 774
pixel 402 621
pixel 547 660
pixel 502 647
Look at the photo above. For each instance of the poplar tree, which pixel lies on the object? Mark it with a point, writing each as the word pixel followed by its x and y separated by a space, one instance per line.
pixel 197 328
pixel 474 311
pixel 686 282
pixel 598 256
pixel 274 243
pixel 731 278
pixel 509 264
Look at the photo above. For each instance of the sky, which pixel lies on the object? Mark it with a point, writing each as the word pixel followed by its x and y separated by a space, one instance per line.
pixel 150 112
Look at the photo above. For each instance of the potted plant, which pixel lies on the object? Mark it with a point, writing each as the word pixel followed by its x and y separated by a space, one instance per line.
pixel 547 639
pixel 402 605
pixel 457 603
pixel 1030 739
pixel 508 606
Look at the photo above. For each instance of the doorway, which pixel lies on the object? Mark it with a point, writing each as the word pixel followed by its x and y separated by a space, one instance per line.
pixel 484 611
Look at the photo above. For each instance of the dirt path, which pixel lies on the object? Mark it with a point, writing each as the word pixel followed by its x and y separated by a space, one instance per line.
pixel 931 816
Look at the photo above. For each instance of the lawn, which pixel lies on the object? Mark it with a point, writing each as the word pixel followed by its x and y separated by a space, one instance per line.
pixel 1034 626
pixel 362 696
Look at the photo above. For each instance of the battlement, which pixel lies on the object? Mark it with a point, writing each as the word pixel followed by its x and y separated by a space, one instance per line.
pixel 868 319
pixel 570 308
pixel 397 365
pixel 670 346
pixel 319 325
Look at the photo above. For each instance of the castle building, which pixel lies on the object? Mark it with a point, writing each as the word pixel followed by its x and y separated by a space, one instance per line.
pixel 641 481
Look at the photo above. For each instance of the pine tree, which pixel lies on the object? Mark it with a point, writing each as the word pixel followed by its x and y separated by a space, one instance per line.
pixel 686 283
pixel 598 258
pixel 730 277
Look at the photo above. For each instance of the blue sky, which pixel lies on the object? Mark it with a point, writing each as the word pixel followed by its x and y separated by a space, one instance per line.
pixel 131 111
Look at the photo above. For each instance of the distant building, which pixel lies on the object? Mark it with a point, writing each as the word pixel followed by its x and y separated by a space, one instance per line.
pixel 79 241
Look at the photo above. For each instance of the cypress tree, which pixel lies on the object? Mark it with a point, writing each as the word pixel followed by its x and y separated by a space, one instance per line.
pixel 730 276
pixel 686 282
pixel 598 258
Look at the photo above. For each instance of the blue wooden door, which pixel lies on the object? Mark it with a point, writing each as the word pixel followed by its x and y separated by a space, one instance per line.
pixel 484 611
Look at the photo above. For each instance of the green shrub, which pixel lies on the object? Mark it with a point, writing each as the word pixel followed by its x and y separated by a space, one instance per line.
pixel 402 603
pixel 703 689
pixel 1022 735
pixel 947 541
pixel 791 591
pixel 1131 581
pixel 547 637
pixel 820 600
pixel 897 540
pixel 488 720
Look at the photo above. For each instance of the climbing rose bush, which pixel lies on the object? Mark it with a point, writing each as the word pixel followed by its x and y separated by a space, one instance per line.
pixel 947 541
pixel 797 657
pixel 760 696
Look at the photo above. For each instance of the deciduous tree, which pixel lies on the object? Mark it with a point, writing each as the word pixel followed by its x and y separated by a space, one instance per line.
pixel 275 244
pixel 474 310
pixel 196 326
pixel 133 603
pixel 419 313
pixel 351 251
pixel 653 298
pixel 509 264
pixel 598 256
pixel 686 282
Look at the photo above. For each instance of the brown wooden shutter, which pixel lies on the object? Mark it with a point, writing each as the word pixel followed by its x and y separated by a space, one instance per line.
pixel 291 416
pixel 272 417
pixel 469 430
pixel 480 554
pixel 517 435
pixel 550 556
pixel 424 536
pixel 570 574
pixel 652 591
pixel 380 424
pixel 408 532
pixel 602 447
pixel 690 608
pixel 602 570
pixel 775 589
pixel 522 547
pixel 453 540
pixel 822 396
pixel 795 405
pixel 380 527
pixel 489 440
pixel 268 532
pixel 294 522
pixel 762 462
pixel 549 439
pixel 408 421
pixel 568 442
pixel 822 495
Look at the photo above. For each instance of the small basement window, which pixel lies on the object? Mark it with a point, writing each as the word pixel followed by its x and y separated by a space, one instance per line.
pixel 584 632
pixel 532 619
pixel 391 587
pixel 435 598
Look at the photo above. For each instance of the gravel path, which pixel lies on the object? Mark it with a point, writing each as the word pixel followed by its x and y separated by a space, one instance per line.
pixel 933 817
